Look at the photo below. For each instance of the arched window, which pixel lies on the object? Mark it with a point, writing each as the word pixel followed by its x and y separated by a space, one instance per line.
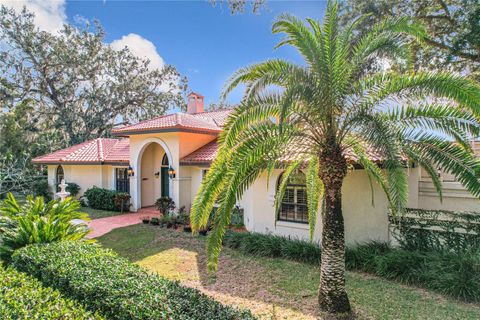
pixel 165 161
pixel 294 203
pixel 59 175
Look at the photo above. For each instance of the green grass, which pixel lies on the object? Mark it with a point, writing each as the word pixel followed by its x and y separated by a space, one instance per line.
pixel 96 214
pixel 269 286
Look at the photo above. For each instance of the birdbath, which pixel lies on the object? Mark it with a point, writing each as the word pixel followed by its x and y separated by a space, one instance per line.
pixel 63 193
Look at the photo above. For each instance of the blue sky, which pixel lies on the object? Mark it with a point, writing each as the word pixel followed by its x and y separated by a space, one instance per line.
pixel 205 43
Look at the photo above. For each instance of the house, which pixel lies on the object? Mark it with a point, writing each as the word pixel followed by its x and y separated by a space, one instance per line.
pixel 169 156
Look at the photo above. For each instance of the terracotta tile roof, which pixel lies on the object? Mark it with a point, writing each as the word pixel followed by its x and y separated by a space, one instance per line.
pixel 204 155
pixel 97 151
pixel 207 154
pixel 210 122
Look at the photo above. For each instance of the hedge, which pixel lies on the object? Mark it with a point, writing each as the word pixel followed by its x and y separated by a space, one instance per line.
pixel 24 297
pixel 103 199
pixel 453 274
pixel 115 287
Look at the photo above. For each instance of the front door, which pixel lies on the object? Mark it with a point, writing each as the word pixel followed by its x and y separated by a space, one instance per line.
pixel 165 181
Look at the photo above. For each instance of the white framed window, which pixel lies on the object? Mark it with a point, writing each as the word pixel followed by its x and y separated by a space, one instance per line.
pixel 293 207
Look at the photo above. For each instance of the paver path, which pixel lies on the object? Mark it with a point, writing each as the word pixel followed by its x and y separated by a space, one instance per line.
pixel 105 225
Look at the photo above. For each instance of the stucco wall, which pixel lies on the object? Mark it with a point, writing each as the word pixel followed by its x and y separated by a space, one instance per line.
pixel 363 221
pixel 86 176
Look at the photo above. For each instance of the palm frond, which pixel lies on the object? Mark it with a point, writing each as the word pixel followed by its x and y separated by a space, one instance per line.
pixel 315 190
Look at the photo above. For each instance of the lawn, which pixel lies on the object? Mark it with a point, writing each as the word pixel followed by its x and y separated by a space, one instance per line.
pixel 96 214
pixel 273 288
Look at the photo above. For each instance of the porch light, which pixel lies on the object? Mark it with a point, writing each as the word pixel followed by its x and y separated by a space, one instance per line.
pixel 171 172
pixel 130 171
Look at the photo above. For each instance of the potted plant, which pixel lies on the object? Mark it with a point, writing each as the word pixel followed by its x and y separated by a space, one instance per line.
pixel 146 220
pixel 155 221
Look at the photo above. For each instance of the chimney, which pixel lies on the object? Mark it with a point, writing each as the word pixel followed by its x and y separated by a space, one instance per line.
pixel 195 103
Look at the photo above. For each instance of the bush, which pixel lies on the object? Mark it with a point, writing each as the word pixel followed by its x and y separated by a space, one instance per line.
pixel 38 222
pixel 165 205
pixel 24 297
pixel 453 274
pixel 73 188
pixel 236 219
pixel 104 199
pixel 269 245
pixel 40 188
pixel 122 201
pixel 441 230
pixel 107 283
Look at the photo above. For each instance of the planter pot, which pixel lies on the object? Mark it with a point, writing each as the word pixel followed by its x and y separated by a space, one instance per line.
pixel 187 228
pixel 146 221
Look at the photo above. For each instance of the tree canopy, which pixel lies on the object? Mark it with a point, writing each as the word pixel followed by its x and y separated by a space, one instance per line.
pixel 77 82
pixel 453 27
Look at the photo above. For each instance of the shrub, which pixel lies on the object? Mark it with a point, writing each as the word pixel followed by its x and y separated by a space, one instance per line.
pixel 155 221
pixel 182 217
pixel 107 283
pixel 40 188
pixel 104 199
pixel 38 222
pixel 440 230
pixel 73 188
pixel 165 205
pixel 236 219
pixel 454 274
pixel 24 297
pixel 269 245
pixel 122 201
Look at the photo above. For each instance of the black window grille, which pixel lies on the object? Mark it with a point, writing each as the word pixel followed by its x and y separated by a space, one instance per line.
pixel 122 183
pixel 293 207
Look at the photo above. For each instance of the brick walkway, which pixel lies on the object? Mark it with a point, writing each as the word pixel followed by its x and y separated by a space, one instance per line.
pixel 105 225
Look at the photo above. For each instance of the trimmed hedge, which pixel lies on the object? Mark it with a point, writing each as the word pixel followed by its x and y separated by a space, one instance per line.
pixel 453 274
pixel 23 297
pixel 102 199
pixel 115 287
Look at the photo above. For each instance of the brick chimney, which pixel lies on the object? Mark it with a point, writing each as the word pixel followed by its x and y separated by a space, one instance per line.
pixel 195 103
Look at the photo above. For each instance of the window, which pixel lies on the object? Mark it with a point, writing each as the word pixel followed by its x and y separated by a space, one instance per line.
pixel 294 203
pixel 122 183
pixel 165 160
pixel 59 175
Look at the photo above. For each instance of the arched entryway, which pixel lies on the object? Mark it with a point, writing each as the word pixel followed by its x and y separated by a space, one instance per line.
pixel 155 182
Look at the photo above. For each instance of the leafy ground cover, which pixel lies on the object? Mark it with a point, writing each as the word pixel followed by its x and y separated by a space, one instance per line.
pixel 273 288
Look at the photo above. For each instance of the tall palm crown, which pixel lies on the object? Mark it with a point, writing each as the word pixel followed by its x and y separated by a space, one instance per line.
pixel 338 102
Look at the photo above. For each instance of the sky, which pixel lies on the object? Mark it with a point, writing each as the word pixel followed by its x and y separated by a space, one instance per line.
pixel 205 43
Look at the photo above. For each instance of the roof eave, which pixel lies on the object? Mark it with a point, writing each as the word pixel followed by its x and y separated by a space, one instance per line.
pixel 164 130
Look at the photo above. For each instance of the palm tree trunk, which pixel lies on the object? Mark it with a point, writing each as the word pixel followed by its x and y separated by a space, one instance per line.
pixel 332 296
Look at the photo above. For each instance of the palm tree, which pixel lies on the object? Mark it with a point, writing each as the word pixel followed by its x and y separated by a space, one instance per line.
pixel 339 102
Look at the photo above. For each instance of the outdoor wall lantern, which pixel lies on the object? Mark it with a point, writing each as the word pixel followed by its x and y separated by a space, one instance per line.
pixel 130 171
pixel 171 173
pixel 157 174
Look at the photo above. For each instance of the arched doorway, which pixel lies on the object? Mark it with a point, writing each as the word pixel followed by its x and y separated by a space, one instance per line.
pixel 154 182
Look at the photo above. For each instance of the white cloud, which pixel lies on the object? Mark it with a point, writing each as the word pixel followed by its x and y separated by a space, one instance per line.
pixel 49 15
pixel 141 48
